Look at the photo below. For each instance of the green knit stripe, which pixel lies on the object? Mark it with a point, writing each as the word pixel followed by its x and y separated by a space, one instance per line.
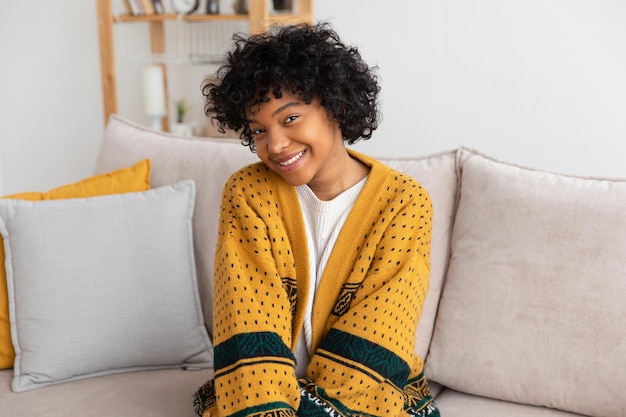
pixel 373 357
pixel 265 346
pixel 275 409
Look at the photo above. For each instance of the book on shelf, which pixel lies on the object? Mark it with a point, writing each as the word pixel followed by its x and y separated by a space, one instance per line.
pixel 158 6
pixel 144 7
pixel 134 7
pixel 128 7
pixel 148 6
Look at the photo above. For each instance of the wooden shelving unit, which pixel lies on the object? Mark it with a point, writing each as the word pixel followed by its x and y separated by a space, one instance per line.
pixel 259 19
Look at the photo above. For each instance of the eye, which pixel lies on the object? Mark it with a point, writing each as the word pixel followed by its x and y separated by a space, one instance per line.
pixel 290 119
pixel 257 132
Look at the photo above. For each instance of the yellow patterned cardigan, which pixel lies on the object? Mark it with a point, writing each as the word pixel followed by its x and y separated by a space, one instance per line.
pixel 366 308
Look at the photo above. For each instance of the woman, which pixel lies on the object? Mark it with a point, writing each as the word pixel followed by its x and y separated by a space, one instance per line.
pixel 322 261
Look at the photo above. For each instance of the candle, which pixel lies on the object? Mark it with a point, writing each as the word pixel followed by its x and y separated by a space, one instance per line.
pixel 153 91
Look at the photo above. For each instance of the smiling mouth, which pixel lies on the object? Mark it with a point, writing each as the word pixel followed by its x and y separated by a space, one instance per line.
pixel 292 160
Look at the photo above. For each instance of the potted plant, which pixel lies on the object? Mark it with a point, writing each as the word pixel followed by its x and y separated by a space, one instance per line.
pixel 181 109
pixel 181 128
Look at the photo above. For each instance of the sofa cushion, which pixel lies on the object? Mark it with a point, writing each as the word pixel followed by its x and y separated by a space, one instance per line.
pixel 102 285
pixel 208 161
pixel 155 393
pixel 533 308
pixel 457 404
pixel 437 173
pixel 135 177
pixel 127 179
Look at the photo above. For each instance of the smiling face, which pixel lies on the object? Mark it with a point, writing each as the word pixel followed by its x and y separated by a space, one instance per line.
pixel 303 144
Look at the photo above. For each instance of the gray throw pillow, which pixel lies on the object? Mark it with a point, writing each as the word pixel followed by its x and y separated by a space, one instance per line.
pixel 103 285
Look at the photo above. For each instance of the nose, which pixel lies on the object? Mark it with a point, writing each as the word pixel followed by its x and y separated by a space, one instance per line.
pixel 277 141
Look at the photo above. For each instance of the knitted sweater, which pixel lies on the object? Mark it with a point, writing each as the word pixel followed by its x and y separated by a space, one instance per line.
pixel 366 309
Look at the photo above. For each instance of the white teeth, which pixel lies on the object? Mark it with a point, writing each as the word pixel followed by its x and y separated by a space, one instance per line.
pixel 292 160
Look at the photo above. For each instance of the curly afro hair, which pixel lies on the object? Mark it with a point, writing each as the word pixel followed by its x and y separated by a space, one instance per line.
pixel 309 61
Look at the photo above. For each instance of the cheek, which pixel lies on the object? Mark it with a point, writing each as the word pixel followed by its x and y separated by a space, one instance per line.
pixel 261 151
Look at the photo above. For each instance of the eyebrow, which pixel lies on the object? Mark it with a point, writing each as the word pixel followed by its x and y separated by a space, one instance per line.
pixel 278 110
pixel 284 106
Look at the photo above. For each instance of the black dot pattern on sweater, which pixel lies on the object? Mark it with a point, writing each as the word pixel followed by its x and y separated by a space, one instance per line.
pixel 379 300
pixel 238 280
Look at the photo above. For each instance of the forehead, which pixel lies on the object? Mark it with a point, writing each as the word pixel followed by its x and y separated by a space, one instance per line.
pixel 273 104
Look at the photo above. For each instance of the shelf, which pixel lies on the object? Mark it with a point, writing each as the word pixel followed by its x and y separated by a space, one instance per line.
pixel 289 17
pixel 259 18
pixel 188 18
pixel 273 18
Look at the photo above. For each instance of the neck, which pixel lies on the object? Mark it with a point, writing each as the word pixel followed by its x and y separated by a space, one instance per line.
pixel 347 172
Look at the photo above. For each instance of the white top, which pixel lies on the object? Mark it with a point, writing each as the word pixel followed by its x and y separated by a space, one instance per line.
pixel 323 221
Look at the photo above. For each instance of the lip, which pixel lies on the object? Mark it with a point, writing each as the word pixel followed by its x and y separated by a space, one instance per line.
pixel 295 158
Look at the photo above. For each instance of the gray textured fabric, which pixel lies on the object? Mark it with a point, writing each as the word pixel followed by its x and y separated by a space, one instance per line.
pixel 533 308
pixel 102 285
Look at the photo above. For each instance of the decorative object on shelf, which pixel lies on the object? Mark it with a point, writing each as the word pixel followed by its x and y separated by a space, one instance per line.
pixel 154 94
pixel 185 6
pixel 240 6
pixel 181 128
pixel 282 6
pixel 181 109
pixel 213 7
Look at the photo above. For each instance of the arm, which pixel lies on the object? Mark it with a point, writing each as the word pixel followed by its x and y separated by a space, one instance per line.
pixel 366 361
pixel 254 364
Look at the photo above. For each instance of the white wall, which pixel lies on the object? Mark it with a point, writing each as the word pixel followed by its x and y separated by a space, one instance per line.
pixel 50 94
pixel 538 82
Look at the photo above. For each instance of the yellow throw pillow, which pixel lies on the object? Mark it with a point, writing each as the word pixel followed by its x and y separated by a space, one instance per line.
pixel 129 179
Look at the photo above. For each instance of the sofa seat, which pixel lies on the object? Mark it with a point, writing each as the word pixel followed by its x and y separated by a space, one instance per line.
pixel 457 404
pixel 169 393
pixel 165 392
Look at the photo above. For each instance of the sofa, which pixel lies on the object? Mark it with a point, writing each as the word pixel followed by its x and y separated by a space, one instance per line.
pixel 525 315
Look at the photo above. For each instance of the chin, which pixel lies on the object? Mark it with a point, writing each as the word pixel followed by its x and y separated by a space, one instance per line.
pixel 293 180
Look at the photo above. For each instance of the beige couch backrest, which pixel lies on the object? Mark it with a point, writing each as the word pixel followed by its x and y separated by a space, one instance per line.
pixel 533 308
